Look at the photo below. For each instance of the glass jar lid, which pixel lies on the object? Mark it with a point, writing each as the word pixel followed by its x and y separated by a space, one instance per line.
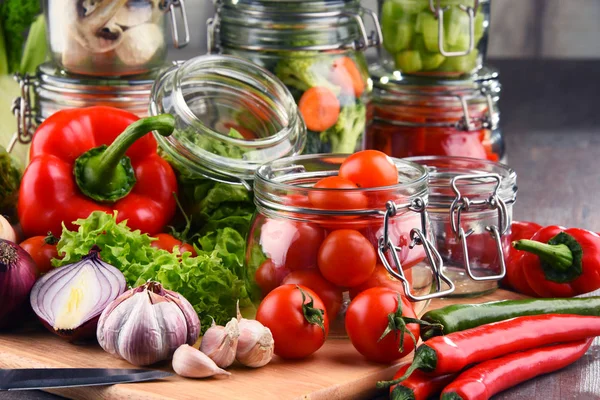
pixel 231 117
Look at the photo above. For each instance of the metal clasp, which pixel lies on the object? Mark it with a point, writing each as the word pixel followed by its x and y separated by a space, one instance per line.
pixel 438 11
pixel 21 109
pixel 375 38
pixel 494 202
pixel 179 4
pixel 212 26
pixel 418 238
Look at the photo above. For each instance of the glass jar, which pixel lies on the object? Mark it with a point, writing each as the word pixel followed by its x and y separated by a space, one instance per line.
pixel 470 207
pixel 231 117
pixel 292 227
pixel 52 90
pixel 412 116
pixel 316 49
pixel 111 38
pixel 443 38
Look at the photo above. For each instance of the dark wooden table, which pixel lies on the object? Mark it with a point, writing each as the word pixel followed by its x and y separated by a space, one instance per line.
pixel 551 122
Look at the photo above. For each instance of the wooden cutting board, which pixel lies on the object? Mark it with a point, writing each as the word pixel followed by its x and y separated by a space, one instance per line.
pixel 336 371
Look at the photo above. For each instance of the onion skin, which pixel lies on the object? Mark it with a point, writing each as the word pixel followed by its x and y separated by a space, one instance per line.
pixel 147 324
pixel 18 274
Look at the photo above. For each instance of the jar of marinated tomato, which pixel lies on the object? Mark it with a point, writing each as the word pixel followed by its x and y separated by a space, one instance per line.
pixel 412 116
pixel 470 207
pixel 316 49
pixel 441 38
pixel 52 89
pixel 341 241
pixel 112 37
pixel 231 117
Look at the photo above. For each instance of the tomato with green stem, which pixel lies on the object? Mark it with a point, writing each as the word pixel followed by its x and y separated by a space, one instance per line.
pixel 327 291
pixel 42 249
pixel 369 169
pixel 346 258
pixel 382 325
pixel 297 319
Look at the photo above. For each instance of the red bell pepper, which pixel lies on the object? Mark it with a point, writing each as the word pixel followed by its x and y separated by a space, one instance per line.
pixel 560 262
pixel 97 158
pixel 515 275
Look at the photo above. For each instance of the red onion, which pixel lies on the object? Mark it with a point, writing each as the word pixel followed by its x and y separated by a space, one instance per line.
pixel 17 276
pixel 70 299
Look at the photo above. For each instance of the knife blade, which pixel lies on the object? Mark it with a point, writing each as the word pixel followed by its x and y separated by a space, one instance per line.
pixel 45 378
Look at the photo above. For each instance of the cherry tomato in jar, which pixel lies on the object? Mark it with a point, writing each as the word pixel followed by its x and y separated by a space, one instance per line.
pixel 381 278
pixel 333 198
pixel 327 291
pixel 369 169
pixel 168 242
pixel 268 276
pixel 368 317
pixel 346 258
pixel 297 319
pixel 42 249
pixel 292 244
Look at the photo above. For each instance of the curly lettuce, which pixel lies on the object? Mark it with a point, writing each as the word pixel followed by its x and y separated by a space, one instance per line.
pixel 212 282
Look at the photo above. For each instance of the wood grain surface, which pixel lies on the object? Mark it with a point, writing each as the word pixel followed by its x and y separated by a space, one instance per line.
pixel 336 371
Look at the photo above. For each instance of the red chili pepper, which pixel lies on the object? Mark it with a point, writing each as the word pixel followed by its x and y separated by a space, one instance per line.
pixel 494 376
pixel 561 262
pixel 449 354
pixel 515 276
pixel 418 386
pixel 81 162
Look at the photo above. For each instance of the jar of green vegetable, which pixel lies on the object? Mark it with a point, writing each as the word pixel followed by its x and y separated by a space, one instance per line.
pixel 316 49
pixel 434 37
pixel 231 117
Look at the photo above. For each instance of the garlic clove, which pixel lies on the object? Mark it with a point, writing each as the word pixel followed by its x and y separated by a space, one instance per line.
pixel 191 363
pixel 220 343
pixel 255 345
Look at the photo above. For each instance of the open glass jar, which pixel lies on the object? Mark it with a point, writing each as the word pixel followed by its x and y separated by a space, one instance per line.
pixel 316 49
pixel 111 38
pixel 297 235
pixel 413 116
pixel 231 117
pixel 470 207
pixel 442 38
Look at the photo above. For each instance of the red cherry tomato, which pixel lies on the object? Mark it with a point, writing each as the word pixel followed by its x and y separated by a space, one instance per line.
pixel 42 249
pixel 283 312
pixel 268 276
pixel 292 244
pixel 370 168
pixel 331 199
pixel 168 242
pixel 381 278
pixel 327 291
pixel 346 258
pixel 367 319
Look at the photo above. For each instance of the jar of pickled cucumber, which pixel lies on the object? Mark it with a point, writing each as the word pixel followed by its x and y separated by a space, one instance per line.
pixel 444 38
pixel 316 49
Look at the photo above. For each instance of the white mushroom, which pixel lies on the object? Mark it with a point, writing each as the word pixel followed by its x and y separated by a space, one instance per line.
pixel 140 44
pixel 137 12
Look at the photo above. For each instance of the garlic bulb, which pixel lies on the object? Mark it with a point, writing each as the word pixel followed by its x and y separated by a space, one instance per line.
pixel 256 344
pixel 220 343
pixel 147 324
pixel 191 363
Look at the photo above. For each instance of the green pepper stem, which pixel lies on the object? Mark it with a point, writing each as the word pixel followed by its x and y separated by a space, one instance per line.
pixel 105 173
pixel 451 396
pixel 558 256
pixel 425 359
pixel 402 393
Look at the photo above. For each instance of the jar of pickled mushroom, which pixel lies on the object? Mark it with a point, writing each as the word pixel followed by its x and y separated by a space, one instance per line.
pixel 231 117
pixel 316 49
pixel 415 116
pixel 439 38
pixel 470 207
pixel 112 37
pixel 339 239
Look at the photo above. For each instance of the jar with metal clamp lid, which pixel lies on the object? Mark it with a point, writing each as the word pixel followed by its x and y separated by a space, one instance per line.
pixel 470 207
pixel 52 90
pixel 112 37
pixel 316 49
pixel 412 116
pixel 436 38
pixel 297 236
pixel 231 117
